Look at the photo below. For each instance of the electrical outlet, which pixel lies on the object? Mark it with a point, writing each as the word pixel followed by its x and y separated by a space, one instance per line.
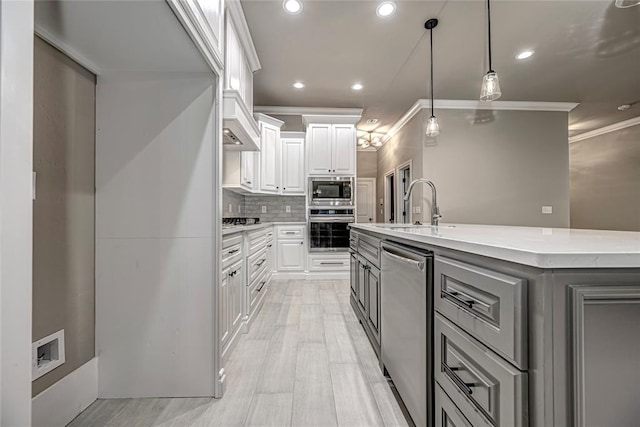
pixel 230 207
pixel 547 210
pixel 264 209
pixel 287 209
pixel 418 209
pixel 239 208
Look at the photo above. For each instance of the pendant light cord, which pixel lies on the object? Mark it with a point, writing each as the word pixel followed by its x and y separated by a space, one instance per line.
pixel 489 31
pixel 431 38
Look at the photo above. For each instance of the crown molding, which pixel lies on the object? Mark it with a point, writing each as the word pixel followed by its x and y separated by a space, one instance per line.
pixel 268 119
pixel 606 129
pixel 461 104
pixel 314 111
pixel 292 134
pixel 236 14
pixel 340 119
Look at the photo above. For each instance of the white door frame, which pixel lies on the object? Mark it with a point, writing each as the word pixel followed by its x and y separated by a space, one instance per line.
pixel 373 182
pixel 387 196
pixel 400 189
pixel 16 206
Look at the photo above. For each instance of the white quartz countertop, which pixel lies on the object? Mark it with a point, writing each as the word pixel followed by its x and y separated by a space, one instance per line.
pixel 226 230
pixel 534 246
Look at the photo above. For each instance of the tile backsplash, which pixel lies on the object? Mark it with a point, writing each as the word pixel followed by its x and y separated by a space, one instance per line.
pixel 276 206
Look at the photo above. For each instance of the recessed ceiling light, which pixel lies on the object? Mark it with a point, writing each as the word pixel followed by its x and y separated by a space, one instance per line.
pixel 386 8
pixel 357 86
pixel 624 107
pixel 292 6
pixel 298 85
pixel 525 54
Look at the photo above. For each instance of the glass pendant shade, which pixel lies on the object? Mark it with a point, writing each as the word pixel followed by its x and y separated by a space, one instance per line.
pixel 362 141
pixel 376 142
pixel 433 129
pixel 627 3
pixel 490 87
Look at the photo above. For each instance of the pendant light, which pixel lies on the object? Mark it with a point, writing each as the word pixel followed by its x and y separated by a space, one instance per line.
pixel 490 84
pixel 433 129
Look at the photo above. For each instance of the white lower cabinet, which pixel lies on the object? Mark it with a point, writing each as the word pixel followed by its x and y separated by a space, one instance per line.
pixel 290 248
pixel 291 255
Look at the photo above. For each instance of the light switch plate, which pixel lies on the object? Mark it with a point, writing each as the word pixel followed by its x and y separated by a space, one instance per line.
pixel 230 207
pixel 287 209
pixel 264 209
pixel 418 209
pixel 547 210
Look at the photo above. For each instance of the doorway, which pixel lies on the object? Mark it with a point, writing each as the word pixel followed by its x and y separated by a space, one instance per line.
pixel 366 199
pixel 404 206
pixel 390 196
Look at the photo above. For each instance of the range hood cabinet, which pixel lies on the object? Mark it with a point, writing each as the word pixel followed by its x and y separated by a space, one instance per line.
pixel 241 132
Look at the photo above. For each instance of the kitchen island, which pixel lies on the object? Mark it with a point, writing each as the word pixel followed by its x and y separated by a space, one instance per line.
pixel 525 326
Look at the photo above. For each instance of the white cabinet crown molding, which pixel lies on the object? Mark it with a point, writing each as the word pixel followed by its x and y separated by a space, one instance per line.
pixel 268 119
pixel 301 111
pixel 292 135
pixel 346 119
pixel 244 35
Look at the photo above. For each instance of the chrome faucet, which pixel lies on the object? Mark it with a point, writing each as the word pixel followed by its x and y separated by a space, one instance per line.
pixel 435 210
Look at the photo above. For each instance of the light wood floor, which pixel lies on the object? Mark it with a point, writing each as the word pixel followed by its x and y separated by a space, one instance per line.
pixel 305 362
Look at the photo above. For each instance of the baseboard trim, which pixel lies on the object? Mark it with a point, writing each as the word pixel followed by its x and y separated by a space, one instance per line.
pixel 66 399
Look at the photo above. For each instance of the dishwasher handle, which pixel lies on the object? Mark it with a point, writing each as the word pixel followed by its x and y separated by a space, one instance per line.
pixel 387 250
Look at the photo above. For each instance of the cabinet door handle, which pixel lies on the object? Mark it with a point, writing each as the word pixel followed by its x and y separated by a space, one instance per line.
pixel 233 251
pixel 302 243
pixel 269 246
pixel 329 171
pixel 249 182
pixel 466 387
pixel 454 296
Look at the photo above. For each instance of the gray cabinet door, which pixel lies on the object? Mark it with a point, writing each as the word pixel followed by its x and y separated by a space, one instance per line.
pixel 363 293
pixel 353 283
pixel 373 314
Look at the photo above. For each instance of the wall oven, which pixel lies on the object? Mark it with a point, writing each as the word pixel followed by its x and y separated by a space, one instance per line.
pixel 331 191
pixel 329 229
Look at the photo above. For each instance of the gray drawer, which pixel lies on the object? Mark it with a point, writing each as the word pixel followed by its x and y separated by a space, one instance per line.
pixel 369 248
pixel 477 379
pixel 489 305
pixel 447 414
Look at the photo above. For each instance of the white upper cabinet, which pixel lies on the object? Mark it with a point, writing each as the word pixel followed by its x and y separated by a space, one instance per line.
pixel 319 149
pixel 343 149
pixel 270 157
pixel 331 149
pixel 292 166
pixel 241 61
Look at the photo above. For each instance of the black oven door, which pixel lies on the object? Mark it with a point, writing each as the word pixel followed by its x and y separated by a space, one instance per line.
pixel 329 235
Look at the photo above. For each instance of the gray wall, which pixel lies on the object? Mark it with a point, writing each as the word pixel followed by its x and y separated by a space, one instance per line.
pixel 501 167
pixel 367 162
pixel 490 167
pixel 63 212
pixel 405 145
pixel 251 206
pixel 605 181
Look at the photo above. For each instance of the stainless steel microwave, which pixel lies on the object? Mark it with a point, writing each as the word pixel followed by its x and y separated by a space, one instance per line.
pixel 331 191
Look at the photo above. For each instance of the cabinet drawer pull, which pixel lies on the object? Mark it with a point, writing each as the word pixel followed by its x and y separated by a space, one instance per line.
pixel 269 246
pixel 233 251
pixel 261 286
pixel 466 387
pixel 290 232
pixel 454 296
pixel 262 261
pixel 331 263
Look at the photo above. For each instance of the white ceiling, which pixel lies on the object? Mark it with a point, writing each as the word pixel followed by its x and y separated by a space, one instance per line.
pixel 120 35
pixel 586 52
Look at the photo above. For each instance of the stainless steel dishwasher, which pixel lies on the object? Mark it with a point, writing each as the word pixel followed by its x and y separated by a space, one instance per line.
pixel 407 326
